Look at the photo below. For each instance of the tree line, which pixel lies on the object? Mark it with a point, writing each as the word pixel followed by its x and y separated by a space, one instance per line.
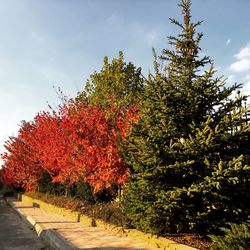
pixel 176 140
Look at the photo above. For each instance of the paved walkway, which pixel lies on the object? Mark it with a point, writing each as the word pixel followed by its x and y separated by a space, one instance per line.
pixel 15 233
pixel 75 233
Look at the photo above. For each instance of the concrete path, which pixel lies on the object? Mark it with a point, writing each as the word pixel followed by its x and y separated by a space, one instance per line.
pixel 78 236
pixel 15 234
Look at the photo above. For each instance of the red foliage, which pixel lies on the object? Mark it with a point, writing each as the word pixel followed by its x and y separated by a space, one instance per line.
pixel 20 166
pixel 93 138
pixel 52 144
pixel 79 142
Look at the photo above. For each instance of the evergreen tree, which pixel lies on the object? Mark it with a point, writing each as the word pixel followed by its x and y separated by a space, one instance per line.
pixel 236 237
pixel 189 153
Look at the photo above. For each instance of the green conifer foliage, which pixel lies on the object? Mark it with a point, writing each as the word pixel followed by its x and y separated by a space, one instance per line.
pixel 236 237
pixel 189 154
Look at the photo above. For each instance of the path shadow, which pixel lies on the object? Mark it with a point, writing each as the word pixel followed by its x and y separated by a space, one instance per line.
pixel 20 207
pixel 111 248
pixel 50 222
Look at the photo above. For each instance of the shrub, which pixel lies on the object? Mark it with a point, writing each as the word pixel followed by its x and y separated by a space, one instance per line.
pixel 45 185
pixel 236 237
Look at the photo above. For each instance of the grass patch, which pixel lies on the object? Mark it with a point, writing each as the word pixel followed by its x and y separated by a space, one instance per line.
pixel 108 212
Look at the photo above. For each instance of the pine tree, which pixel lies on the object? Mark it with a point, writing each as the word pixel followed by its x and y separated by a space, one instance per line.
pixel 236 237
pixel 189 153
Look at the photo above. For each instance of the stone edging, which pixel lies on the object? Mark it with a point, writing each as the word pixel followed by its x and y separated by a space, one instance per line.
pixel 152 241
pixel 49 236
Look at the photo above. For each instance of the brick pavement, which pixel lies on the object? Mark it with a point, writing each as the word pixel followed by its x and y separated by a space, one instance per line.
pixel 82 237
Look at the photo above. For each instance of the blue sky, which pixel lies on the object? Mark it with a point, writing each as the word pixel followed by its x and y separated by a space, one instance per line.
pixel 61 42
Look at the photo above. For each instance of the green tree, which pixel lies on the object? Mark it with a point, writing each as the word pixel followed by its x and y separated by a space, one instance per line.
pixel 236 237
pixel 189 154
pixel 118 83
pixel 118 89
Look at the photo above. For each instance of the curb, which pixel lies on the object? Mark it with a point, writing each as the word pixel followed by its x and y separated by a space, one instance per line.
pixel 19 213
pixel 55 240
pixel 49 236
pixel 152 241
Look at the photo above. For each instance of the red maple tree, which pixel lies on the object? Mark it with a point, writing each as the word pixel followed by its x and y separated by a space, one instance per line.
pixel 79 142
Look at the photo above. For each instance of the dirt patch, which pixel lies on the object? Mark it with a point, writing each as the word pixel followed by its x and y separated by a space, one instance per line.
pixel 193 240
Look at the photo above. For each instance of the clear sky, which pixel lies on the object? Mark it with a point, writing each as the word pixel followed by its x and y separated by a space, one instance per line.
pixel 60 43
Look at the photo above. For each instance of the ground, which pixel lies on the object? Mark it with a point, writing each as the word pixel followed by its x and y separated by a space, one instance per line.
pixel 15 234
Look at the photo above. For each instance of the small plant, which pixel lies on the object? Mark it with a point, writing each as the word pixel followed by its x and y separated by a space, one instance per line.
pixel 237 237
